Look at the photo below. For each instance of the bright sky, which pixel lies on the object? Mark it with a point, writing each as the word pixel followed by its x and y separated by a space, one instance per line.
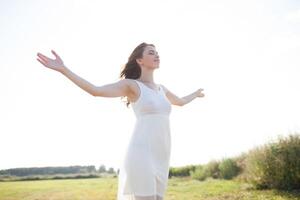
pixel 244 54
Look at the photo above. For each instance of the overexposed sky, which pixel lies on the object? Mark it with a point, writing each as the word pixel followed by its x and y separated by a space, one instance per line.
pixel 244 54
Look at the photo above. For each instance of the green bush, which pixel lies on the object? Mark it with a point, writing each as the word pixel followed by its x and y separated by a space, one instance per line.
pixel 212 169
pixel 275 165
pixel 181 171
pixel 228 168
pixel 200 173
pixel 241 164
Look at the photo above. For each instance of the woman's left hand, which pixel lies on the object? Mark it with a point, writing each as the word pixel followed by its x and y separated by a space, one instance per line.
pixel 199 93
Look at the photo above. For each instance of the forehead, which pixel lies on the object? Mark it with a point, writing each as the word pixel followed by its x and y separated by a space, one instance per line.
pixel 149 48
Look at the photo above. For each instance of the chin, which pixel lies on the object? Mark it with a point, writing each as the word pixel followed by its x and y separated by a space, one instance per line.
pixel 155 67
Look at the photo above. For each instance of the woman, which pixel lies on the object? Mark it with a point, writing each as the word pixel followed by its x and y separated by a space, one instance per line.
pixel 145 170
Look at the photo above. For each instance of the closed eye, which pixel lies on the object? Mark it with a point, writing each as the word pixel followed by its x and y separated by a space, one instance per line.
pixel 152 52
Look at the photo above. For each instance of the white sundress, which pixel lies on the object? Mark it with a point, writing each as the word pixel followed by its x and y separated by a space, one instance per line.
pixel 144 172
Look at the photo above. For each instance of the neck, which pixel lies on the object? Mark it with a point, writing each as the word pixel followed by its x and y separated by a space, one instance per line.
pixel 147 76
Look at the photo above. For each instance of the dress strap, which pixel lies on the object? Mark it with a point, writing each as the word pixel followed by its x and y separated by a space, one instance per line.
pixel 141 92
pixel 139 84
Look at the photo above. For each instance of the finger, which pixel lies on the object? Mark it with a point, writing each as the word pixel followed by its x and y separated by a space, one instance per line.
pixel 42 62
pixel 55 54
pixel 45 61
pixel 43 57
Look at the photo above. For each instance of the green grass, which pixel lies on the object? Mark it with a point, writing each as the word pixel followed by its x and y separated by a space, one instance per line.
pixel 106 189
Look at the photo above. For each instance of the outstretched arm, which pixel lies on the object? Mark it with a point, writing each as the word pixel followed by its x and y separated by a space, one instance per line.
pixel 175 100
pixel 117 89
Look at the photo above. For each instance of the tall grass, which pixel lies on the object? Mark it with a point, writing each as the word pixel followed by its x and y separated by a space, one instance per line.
pixel 276 164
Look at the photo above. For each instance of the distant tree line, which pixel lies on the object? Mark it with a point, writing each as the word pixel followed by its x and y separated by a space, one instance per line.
pixel 55 170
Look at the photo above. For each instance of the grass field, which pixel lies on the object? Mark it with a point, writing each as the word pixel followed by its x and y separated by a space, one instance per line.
pixel 106 189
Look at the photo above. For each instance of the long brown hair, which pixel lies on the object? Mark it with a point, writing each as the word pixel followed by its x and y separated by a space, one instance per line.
pixel 132 69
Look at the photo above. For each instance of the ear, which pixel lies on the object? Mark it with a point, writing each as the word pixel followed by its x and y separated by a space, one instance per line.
pixel 139 61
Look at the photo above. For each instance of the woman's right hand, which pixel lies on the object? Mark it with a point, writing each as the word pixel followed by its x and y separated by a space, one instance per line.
pixel 55 64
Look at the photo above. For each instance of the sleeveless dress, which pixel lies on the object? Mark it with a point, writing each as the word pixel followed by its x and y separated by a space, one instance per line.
pixel 144 172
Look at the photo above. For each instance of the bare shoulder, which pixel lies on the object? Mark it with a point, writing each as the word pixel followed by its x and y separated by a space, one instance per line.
pixel 164 88
pixel 127 83
pixel 131 84
pixel 133 89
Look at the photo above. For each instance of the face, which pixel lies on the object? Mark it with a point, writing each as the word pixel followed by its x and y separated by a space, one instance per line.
pixel 150 58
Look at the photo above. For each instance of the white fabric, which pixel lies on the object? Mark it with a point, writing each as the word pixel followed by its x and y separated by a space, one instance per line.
pixel 144 172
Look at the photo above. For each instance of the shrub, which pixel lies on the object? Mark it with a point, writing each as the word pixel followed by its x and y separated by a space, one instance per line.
pixel 200 173
pixel 212 169
pixel 275 165
pixel 181 171
pixel 241 164
pixel 228 168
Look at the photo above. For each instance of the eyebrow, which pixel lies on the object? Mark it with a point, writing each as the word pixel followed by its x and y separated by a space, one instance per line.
pixel 151 50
